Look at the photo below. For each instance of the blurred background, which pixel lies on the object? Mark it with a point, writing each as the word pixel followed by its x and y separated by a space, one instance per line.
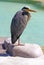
pixel 34 32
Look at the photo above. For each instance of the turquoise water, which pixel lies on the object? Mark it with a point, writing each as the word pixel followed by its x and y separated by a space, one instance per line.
pixel 34 32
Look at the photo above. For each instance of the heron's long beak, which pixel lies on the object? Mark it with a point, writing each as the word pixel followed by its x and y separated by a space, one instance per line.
pixel 29 10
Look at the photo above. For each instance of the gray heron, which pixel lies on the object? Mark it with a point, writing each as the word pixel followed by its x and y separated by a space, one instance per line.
pixel 19 22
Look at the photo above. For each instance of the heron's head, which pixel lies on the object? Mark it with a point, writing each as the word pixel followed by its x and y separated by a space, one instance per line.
pixel 26 12
pixel 28 9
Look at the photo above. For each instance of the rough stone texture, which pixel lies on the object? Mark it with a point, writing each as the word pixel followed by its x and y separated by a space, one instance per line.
pixel 27 50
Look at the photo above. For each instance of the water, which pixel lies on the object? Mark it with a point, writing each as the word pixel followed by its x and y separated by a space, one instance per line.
pixel 34 32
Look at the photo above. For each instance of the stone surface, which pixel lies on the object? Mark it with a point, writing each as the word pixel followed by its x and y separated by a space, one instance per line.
pixel 27 51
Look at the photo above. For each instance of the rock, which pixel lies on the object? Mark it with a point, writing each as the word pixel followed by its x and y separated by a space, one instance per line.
pixel 27 51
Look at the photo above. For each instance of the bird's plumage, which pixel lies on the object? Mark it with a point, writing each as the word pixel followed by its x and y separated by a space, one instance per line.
pixel 18 24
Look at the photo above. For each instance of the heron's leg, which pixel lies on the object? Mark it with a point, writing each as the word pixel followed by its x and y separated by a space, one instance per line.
pixel 20 43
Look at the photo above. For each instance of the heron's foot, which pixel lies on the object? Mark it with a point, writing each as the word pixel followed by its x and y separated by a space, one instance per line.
pixel 20 44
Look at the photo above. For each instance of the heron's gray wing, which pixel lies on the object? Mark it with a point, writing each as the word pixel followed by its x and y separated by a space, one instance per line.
pixel 17 27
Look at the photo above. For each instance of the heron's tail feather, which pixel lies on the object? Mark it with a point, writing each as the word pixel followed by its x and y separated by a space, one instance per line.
pixel 13 39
